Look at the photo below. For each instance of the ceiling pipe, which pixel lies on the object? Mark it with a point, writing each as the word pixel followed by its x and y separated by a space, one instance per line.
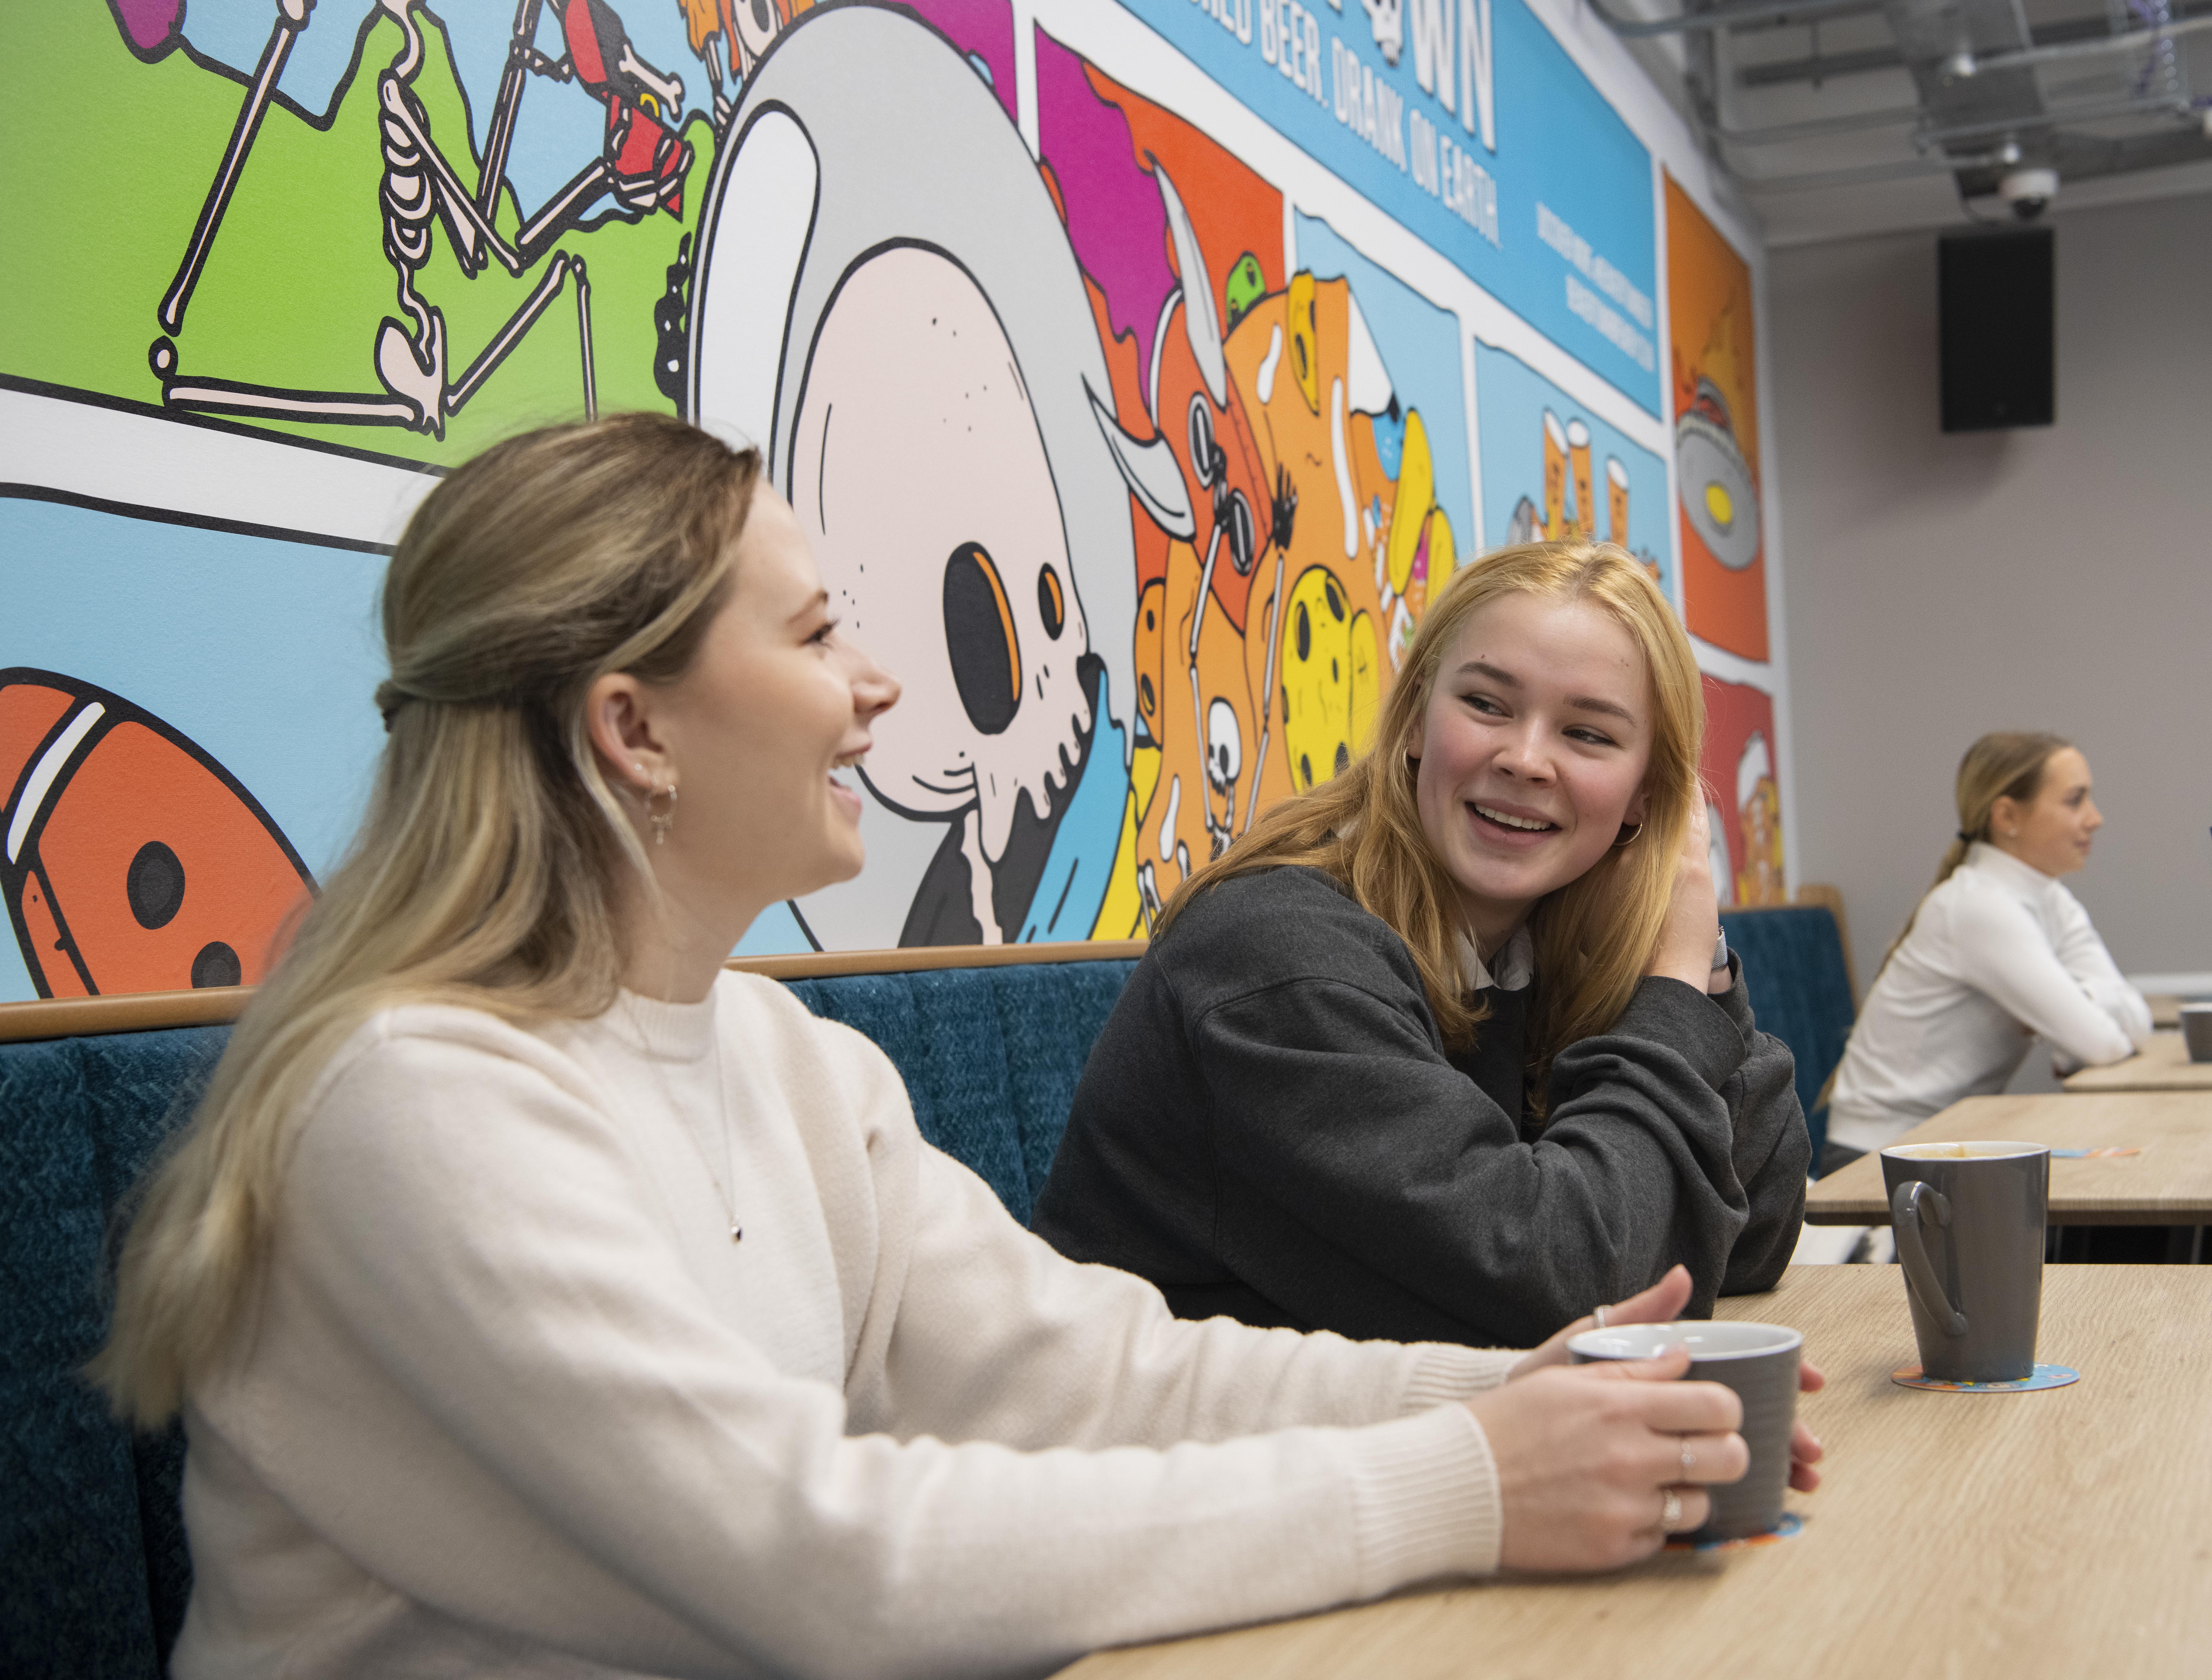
pixel 1871 174
pixel 1727 17
pixel 1850 122
pixel 2051 117
pixel 2022 57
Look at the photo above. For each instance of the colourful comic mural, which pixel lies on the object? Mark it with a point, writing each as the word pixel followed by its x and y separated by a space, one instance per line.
pixel 1743 782
pixel 1136 450
pixel 1716 433
pixel 1724 559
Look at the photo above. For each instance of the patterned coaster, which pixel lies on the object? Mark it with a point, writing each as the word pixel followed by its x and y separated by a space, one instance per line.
pixel 2045 1376
pixel 2091 1154
pixel 1790 1524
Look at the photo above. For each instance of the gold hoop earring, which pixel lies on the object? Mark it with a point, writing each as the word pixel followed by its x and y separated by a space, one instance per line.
pixel 662 821
pixel 1627 834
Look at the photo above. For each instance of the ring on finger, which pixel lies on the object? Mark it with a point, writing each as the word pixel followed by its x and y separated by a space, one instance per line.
pixel 1599 1314
pixel 1670 1511
pixel 1689 1459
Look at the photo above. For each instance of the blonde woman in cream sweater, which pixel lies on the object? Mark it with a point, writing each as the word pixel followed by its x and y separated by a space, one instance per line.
pixel 543 1299
pixel 1997 952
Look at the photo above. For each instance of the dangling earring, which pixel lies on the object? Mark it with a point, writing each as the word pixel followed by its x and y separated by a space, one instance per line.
pixel 662 821
pixel 1627 834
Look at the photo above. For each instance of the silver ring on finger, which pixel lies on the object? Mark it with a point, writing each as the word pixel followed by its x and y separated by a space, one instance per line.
pixel 1689 1459
pixel 1670 1511
pixel 1598 1313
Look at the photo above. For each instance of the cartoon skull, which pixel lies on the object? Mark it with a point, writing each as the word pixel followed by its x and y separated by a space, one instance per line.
pixel 924 488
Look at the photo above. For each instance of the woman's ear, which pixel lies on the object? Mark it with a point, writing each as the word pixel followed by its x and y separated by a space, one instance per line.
pixel 1638 807
pixel 617 713
pixel 2005 817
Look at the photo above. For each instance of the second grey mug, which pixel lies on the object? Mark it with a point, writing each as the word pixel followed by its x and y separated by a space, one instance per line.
pixel 1760 1362
pixel 1969 1221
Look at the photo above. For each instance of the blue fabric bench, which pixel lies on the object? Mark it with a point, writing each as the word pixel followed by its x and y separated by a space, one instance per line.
pixel 1800 992
pixel 94 1573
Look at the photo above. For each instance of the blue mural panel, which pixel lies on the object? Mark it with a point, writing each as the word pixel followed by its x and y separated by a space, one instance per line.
pixel 1551 468
pixel 1468 122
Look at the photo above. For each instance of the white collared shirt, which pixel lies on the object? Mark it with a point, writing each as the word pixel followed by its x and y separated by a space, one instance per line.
pixel 1517 963
pixel 1997 953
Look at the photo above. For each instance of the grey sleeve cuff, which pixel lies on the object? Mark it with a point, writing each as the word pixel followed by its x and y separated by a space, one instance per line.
pixel 1701 1029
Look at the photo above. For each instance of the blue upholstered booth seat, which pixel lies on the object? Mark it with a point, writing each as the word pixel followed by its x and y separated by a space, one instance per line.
pixel 1793 962
pixel 93 1573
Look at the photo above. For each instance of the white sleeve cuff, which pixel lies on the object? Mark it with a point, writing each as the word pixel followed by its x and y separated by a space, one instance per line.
pixel 1446 1372
pixel 1427 1500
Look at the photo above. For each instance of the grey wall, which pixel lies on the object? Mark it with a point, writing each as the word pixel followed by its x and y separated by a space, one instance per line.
pixel 2051 578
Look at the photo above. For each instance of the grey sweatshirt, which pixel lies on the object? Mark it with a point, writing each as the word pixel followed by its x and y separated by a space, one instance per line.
pixel 1271 1128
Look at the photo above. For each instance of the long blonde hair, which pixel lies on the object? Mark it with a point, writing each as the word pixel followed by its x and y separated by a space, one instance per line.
pixel 486 870
pixel 1595 936
pixel 2008 764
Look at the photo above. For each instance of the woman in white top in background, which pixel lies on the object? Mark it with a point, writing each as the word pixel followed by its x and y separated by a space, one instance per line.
pixel 1996 954
pixel 541 1298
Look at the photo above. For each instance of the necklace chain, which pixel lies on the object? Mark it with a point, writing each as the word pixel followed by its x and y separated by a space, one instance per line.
pixel 727 1195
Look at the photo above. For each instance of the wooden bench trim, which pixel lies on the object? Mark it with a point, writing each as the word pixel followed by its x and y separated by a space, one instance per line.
pixel 143 1011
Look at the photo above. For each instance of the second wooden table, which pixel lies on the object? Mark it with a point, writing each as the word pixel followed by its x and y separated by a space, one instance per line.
pixel 2169 1182
pixel 2163 1065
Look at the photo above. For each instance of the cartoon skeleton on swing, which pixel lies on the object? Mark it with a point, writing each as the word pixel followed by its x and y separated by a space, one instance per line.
pixel 641 168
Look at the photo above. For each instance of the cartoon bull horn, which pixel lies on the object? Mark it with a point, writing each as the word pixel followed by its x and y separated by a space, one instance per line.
pixel 1198 320
pixel 1151 471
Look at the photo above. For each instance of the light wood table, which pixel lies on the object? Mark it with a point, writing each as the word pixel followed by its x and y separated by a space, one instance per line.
pixel 2170 1182
pixel 2163 1064
pixel 2056 1534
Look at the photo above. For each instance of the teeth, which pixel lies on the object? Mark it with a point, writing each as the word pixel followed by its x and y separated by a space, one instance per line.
pixel 849 761
pixel 1512 822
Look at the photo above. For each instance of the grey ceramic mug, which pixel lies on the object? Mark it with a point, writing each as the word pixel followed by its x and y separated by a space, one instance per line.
pixel 1969 1221
pixel 1760 1362
pixel 2197 1031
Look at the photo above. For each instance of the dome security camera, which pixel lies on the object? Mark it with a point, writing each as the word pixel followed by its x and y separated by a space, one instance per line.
pixel 2029 192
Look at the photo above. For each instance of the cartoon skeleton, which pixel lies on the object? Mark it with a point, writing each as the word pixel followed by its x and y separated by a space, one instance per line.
pixel 641 168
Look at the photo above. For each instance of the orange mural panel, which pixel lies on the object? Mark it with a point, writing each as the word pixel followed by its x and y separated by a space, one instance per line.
pixel 1716 432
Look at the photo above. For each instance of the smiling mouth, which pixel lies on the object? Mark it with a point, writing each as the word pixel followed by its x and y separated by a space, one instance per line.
pixel 1518 824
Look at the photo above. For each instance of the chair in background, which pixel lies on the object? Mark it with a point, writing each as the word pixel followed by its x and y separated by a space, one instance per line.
pixel 1797 964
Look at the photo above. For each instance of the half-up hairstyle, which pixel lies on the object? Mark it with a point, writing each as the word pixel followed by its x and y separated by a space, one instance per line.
pixel 485 872
pixel 1594 937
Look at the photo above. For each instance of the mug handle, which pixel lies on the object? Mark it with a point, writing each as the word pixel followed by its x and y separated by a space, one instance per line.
pixel 1909 1204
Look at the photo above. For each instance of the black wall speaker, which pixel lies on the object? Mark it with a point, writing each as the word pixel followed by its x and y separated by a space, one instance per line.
pixel 1994 293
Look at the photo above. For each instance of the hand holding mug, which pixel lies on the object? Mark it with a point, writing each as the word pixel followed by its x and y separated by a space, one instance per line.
pixel 1661 1304
pixel 1598 1464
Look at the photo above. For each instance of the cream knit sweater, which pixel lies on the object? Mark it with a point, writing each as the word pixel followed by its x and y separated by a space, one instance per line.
pixel 513 1402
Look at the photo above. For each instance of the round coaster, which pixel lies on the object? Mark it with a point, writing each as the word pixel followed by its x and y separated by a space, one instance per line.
pixel 1790 1524
pixel 2045 1376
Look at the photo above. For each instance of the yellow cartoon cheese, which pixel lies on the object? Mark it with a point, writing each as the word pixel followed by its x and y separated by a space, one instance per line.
pixel 1331 678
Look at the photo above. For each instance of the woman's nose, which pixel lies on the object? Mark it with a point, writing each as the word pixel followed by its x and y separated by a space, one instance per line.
pixel 1522 754
pixel 875 691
